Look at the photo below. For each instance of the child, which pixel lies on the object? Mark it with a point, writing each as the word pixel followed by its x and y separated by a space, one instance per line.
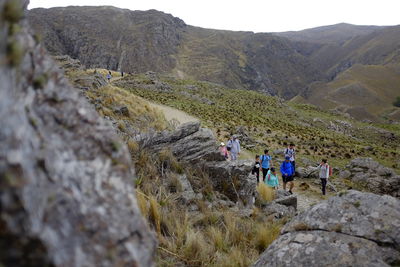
pixel 256 168
pixel 223 150
pixel 272 179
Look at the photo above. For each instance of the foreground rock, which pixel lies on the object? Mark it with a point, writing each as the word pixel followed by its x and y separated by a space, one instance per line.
pixel 66 188
pixel 354 229
pixel 374 176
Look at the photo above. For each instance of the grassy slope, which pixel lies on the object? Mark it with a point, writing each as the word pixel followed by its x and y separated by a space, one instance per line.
pixel 370 87
pixel 270 121
pixel 187 238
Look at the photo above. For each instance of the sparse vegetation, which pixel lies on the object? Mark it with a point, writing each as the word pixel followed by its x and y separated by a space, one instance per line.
pixel 12 11
pixel 15 53
pixel 308 125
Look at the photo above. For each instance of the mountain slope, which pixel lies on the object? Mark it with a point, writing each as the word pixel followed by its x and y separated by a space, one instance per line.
pixel 337 33
pixel 139 41
pixel 363 91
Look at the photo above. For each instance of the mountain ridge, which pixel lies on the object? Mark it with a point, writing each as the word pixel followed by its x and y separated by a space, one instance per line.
pixel 283 64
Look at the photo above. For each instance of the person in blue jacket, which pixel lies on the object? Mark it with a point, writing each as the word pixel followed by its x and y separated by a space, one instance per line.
pixel 287 174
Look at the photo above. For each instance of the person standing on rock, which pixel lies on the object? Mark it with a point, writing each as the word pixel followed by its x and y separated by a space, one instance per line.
pixel 323 174
pixel 234 145
pixel 287 174
pixel 291 153
pixel 265 163
pixel 272 179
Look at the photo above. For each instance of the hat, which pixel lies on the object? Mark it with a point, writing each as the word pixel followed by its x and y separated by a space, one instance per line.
pixel 287 158
pixel 222 144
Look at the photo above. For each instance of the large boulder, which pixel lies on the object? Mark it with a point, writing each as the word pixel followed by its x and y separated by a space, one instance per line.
pixel 233 179
pixel 374 176
pixel 351 229
pixel 66 182
pixel 189 142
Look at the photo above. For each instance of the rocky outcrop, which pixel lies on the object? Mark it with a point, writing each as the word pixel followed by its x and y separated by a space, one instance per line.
pixel 233 179
pixel 374 176
pixel 351 229
pixel 284 205
pixel 66 188
pixel 189 142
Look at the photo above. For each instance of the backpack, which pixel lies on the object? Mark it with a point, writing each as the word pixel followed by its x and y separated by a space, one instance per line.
pixel 229 144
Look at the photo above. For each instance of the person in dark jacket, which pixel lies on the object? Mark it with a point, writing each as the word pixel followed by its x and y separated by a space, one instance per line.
pixel 256 168
pixel 287 174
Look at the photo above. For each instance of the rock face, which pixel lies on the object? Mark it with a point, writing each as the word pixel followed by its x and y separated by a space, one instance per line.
pixel 66 188
pixel 188 142
pixel 233 179
pixel 351 229
pixel 374 176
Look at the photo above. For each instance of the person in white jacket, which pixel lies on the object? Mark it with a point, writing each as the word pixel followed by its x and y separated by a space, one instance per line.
pixel 234 147
pixel 323 174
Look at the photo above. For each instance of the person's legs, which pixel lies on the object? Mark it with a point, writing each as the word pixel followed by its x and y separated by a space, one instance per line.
pixel 233 156
pixel 264 174
pixel 284 182
pixel 291 184
pixel 323 183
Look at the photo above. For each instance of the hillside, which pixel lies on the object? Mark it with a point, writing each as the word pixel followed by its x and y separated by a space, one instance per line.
pixel 336 34
pixel 307 63
pixel 363 91
pixel 140 41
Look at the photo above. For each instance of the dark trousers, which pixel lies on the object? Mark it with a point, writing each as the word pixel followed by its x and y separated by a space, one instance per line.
pixel 323 183
pixel 256 172
pixel 264 173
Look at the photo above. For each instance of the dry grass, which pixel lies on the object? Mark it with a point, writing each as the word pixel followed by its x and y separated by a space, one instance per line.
pixel 154 214
pixel 265 192
pixel 141 116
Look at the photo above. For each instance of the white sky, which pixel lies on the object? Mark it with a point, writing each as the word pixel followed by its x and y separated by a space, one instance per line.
pixel 259 15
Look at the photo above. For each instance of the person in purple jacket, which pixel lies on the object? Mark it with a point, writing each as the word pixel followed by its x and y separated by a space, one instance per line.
pixel 287 174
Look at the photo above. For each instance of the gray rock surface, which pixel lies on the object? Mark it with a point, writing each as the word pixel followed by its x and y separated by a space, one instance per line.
pixel 188 142
pixel 91 81
pixel 187 195
pixel 66 187
pixel 374 176
pixel 351 229
pixel 233 179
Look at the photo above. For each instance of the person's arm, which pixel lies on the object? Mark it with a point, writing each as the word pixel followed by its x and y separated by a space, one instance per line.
pixel 238 146
pixel 282 170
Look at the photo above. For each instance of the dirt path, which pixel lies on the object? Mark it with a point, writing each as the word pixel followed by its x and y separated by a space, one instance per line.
pixel 308 193
pixel 172 114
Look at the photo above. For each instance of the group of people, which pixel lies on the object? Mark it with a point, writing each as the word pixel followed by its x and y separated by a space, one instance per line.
pixel 263 165
pixel 269 175
pixel 232 149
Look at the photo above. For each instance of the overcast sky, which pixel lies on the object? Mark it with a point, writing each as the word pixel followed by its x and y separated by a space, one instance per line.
pixel 259 15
